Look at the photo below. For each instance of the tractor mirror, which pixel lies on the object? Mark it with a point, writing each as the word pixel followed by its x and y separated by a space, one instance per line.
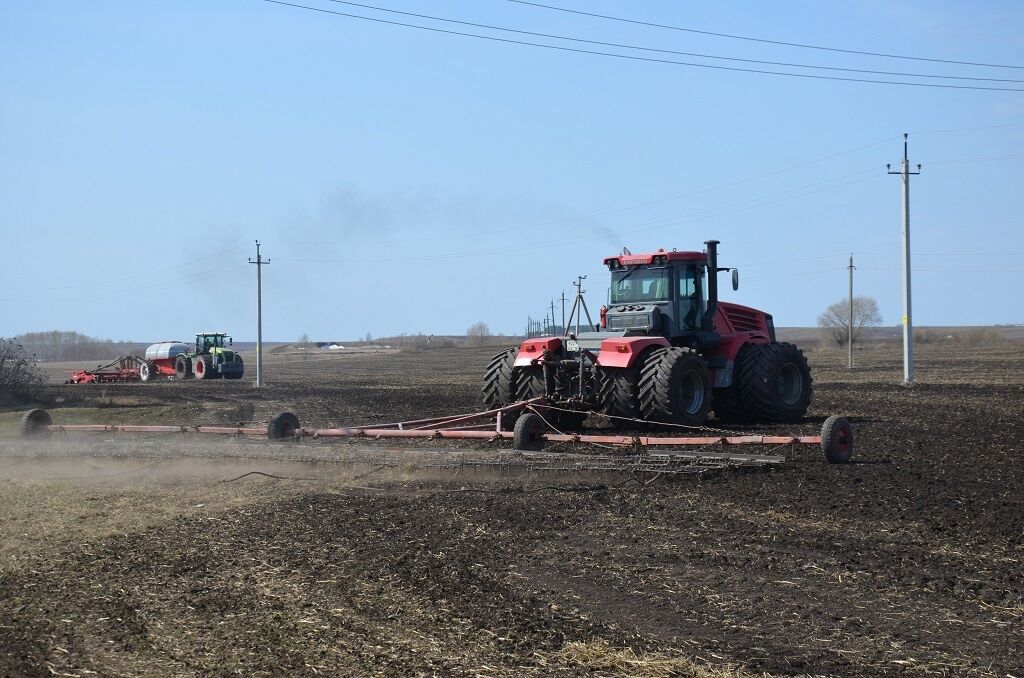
pixel 735 279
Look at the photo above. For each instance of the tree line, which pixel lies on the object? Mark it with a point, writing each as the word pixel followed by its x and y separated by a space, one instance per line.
pixel 58 346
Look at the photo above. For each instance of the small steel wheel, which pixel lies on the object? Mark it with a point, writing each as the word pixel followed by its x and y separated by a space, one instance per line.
pixel 35 422
pixel 283 426
pixel 837 440
pixel 528 434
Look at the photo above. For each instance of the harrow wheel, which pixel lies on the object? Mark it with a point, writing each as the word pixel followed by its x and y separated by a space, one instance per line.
pixel 35 422
pixel 528 434
pixel 837 440
pixel 147 372
pixel 675 387
pixel 283 426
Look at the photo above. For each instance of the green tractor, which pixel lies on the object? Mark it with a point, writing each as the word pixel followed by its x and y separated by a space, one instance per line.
pixel 212 359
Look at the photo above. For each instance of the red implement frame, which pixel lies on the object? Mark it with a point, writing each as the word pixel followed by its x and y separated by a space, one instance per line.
pixel 836 439
pixel 122 369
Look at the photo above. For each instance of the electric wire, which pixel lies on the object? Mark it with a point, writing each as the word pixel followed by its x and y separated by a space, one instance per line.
pixel 762 40
pixel 618 210
pixel 208 275
pixel 144 274
pixel 670 51
pixel 633 57
pixel 649 226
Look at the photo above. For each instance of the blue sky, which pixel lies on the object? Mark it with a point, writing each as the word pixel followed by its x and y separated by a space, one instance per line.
pixel 408 181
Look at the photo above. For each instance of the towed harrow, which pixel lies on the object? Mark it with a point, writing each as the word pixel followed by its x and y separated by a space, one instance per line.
pixel 530 432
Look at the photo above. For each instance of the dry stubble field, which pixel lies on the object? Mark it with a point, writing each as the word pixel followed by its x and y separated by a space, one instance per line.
pixel 128 556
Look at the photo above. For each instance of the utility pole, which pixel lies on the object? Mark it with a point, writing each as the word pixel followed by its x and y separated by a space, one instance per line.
pixel 563 311
pixel 259 312
pixel 552 316
pixel 908 324
pixel 849 337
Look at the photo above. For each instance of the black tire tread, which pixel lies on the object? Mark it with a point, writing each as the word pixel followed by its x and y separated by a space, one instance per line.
pixel 656 387
pixel 33 422
pixel 277 427
pixel 527 383
pixel 498 380
pixel 756 382
pixel 828 431
pixel 620 391
pixel 726 402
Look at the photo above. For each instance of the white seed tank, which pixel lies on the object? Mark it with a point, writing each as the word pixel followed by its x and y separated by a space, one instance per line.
pixel 166 350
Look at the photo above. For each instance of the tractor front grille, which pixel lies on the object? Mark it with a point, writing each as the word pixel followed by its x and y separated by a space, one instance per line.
pixel 628 321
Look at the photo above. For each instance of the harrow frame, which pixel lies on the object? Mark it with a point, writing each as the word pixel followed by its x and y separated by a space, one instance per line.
pixel 530 433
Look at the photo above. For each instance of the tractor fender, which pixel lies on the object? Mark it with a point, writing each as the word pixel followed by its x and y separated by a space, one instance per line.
pixel 533 349
pixel 623 351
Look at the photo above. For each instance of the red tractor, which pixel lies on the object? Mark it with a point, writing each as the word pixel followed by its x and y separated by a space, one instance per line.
pixel 667 352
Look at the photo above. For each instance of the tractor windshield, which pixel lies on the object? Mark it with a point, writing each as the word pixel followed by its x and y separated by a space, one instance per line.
pixel 641 285
pixel 206 342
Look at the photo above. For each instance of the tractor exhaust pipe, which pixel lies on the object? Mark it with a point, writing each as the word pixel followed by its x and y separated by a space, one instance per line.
pixel 708 321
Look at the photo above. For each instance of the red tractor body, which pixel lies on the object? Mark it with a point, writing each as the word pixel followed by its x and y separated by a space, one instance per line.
pixel 667 351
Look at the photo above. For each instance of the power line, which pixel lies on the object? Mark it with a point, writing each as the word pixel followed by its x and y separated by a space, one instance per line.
pixel 668 51
pixel 650 203
pixel 632 57
pixel 762 40
pixel 649 226
pixel 970 129
pixel 135 291
pixel 144 274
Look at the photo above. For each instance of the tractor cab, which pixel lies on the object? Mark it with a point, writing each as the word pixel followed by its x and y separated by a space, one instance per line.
pixel 211 341
pixel 667 294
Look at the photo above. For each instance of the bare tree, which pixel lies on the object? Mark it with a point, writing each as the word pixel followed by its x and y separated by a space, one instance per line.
pixel 19 374
pixel 477 333
pixel 304 345
pixel 835 321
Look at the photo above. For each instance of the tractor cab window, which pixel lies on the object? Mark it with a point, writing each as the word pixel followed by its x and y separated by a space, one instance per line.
pixel 205 342
pixel 641 285
pixel 691 297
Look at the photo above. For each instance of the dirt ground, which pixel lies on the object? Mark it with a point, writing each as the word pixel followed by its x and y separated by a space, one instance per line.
pixel 129 556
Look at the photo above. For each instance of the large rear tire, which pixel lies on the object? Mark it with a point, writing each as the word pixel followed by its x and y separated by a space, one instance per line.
pixel 204 368
pixel 726 402
pixel 498 380
pixel 775 383
pixel 620 392
pixel 183 368
pixel 675 387
pixel 527 383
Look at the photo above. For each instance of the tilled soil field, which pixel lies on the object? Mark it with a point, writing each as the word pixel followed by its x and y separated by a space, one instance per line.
pixel 909 561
